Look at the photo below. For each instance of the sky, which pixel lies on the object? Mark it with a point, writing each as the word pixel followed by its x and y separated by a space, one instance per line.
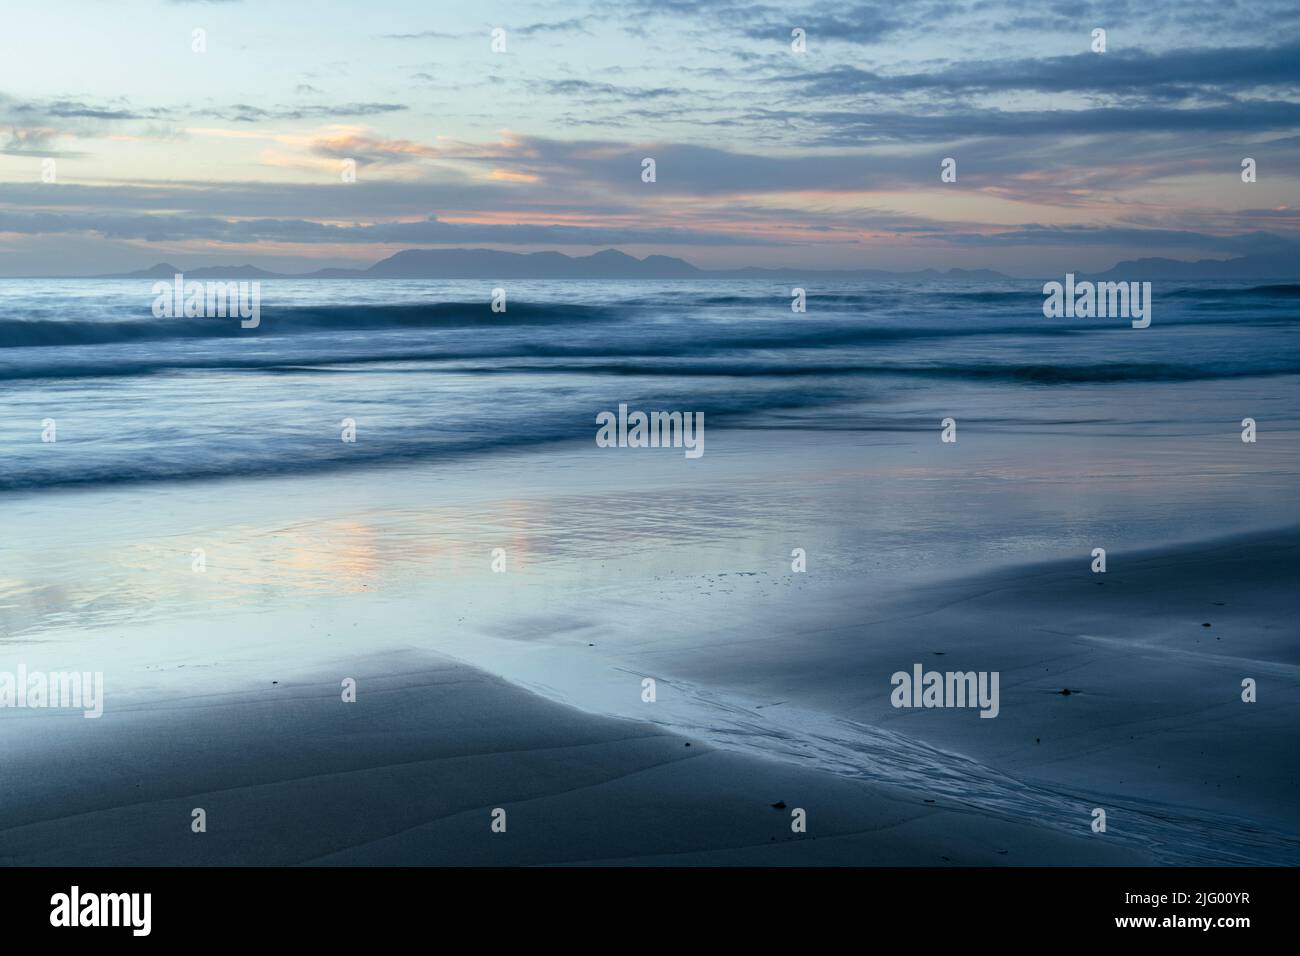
pixel 128 139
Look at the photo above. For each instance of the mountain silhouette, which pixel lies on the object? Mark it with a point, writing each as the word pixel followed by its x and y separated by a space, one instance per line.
pixel 493 264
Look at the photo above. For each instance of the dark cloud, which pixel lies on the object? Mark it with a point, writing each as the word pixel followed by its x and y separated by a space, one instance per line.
pixel 862 23
pixel 1180 73
pixel 78 109
pixel 587 88
pixel 859 23
pixel 866 127
pixel 70 109
pixel 571 25
pixel 246 113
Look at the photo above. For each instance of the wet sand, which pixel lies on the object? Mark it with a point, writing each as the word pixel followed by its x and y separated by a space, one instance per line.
pixel 225 681
pixel 411 772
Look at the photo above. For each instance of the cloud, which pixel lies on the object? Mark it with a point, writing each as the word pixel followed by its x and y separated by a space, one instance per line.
pixel 246 113
pixel 79 109
pixel 862 23
pixel 36 142
pixel 865 127
pixel 422 35
pixel 825 22
pixel 1175 73
pixel 72 109
pixel 368 149
pixel 588 89
pixel 571 25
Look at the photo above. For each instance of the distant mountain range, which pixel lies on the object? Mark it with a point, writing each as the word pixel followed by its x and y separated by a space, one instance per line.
pixel 492 264
pixel 1246 268
pixel 612 264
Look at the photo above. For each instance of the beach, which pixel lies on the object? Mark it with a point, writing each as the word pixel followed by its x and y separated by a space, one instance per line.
pixel 411 773
pixel 523 689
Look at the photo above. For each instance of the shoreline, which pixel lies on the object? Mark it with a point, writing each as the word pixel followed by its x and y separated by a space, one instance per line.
pixel 694 589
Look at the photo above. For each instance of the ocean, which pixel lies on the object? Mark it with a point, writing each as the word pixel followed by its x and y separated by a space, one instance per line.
pixel 427 370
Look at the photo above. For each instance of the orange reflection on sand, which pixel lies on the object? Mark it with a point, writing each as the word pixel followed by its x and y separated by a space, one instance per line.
pixel 335 555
